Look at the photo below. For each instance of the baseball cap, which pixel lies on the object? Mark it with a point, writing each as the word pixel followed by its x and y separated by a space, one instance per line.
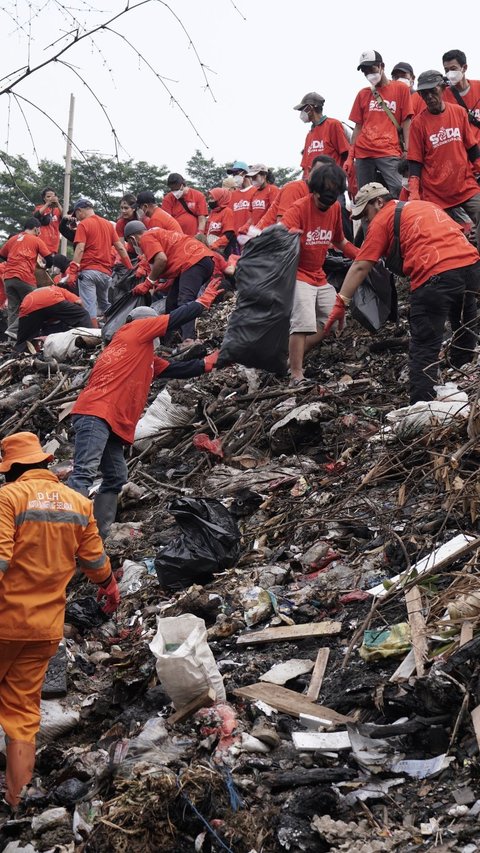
pixel 403 66
pixel 254 170
pixel 133 227
pixel 82 203
pixel 175 178
pixel 369 57
pixel 310 98
pixel 237 166
pixel 365 194
pixel 429 79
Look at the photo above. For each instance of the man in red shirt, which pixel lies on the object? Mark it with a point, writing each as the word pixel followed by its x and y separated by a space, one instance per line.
pixel 220 227
pixel 240 198
pixel 21 252
pixel 93 259
pixel 186 205
pixel 443 153
pixel 444 272
pixel 107 410
pixel 152 215
pixel 326 135
pixel 465 93
pixel 49 213
pixel 47 305
pixel 319 218
pixel 184 261
pixel 379 111
pixel 402 72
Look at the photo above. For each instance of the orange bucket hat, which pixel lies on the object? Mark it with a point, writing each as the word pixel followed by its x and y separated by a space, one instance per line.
pixel 21 447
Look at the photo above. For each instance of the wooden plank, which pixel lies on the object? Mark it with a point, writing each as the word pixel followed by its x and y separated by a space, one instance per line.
pixel 466 632
pixel 318 673
pixel 204 700
pixel 418 628
pixel 289 702
pixel 290 632
pixel 405 670
pixel 438 560
pixel 476 722
pixel 321 741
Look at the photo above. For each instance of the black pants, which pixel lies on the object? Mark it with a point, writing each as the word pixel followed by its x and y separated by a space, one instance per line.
pixel 449 295
pixel 68 315
pixel 186 288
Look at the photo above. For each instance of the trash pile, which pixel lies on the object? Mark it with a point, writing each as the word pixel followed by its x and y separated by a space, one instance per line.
pixel 294 663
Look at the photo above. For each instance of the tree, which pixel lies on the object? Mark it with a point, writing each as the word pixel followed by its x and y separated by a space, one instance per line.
pixel 205 174
pixel 285 174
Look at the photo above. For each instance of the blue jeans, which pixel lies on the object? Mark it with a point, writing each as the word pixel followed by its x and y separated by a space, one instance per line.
pixel 93 288
pixel 97 448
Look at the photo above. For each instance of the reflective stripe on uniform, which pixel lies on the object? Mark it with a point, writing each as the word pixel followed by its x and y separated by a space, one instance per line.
pixel 52 516
pixel 4 565
pixel 93 564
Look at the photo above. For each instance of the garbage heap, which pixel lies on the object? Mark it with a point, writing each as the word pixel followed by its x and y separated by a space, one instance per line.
pixel 294 664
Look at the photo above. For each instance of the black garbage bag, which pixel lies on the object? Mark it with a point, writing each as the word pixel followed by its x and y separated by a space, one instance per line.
pixel 335 268
pixel 375 301
pixel 85 613
pixel 116 315
pixel 209 543
pixel 122 281
pixel 258 329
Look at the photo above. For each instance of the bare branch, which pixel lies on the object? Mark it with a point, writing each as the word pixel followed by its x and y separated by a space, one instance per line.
pixel 238 10
pixel 14 95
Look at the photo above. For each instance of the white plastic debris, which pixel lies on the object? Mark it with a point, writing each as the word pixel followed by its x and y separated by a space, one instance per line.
pixel 61 345
pixel 282 672
pixel 412 420
pixel 49 819
pixel 159 419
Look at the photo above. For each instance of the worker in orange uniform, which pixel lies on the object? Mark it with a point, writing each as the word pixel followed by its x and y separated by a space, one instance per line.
pixel 220 225
pixel 44 528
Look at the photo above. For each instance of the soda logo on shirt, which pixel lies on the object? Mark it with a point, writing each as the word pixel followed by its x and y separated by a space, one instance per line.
pixel 243 204
pixel 258 204
pixel 392 105
pixel 191 204
pixel 215 226
pixel 318 237
pixel 316 145
pixel 444 135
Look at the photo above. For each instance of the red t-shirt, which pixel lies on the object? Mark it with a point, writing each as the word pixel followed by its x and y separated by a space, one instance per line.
pixel 182 252
pixel 21 252
pixel 289 194
pixel 378 136
pixel 472 101
pixel 319 228
pixel 43 297
pixel 261 201
pixel 440 144
pixel 240 204
pixel 219 221
pixel 120 380
pixel 431 242
pixel 161 219
pixel 99 235
pixel 196 203
pixel 50 234
pixel 327 138
pixel 418 103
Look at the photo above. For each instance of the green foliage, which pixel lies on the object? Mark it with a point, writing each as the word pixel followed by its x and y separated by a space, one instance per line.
pixel 205 174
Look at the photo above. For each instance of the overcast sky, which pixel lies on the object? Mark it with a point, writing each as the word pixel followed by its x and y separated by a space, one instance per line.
pixel 262 61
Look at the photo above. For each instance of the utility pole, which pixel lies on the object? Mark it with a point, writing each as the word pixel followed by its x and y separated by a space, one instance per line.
pixel 68 169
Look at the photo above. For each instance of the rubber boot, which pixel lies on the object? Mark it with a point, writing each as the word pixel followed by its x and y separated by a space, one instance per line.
pixel 105 511
pixel 20 764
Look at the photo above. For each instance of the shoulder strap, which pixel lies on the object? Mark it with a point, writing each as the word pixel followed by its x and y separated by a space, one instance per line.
pixel 381 103
pixel 396 219
pixel 461 103
pixel 186 207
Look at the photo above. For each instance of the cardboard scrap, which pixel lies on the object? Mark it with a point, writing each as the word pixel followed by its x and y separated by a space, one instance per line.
pixel 321 741
pixel 289 702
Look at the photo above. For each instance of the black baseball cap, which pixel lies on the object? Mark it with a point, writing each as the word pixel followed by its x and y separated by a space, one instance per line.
pixel 403 66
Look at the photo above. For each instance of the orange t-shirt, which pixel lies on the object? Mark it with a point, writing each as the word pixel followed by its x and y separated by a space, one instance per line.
pixel 50 234
pixel 43 297
pixel 440 144
pixel 197 205
pixel 240 204
pixel 472 101
pixel 418 103
pixel 182 252
pixel 261 201
pixel 319 228
pixel 219 221
pixel 161 219
pixel 21 252
pixel 378 136
pixel 99 235
pixel 327 138
pixel 431 242
pixel 289 194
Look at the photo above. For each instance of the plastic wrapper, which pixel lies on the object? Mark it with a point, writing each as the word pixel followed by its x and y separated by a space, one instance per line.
pixel 386 643
pixel 61 345
pixel 375 300
pixel 450 404
pixel 159 419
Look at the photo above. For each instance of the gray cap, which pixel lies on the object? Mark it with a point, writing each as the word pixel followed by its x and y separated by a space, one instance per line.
pixel 141 313
pixel 429 80
pixel 311 99
pixel 133 227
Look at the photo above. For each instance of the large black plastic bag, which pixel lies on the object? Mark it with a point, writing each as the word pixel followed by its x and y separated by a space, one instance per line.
pixel 374 301
pixel 258 329
pixel 116 315
pixel 122 281
pixel 209 543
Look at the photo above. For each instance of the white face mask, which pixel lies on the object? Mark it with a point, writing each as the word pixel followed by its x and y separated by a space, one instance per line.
pixel 403 80
pixel 454 76
pixel 259 181
pixel 238 180
pixel 178 193
pixel 304 116
pixel 404 182
pixel 374 79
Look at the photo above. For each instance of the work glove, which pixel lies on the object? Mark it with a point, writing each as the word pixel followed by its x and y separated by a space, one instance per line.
pixel 210 360
pixel 71 274
pixel 337 315
pixel 142 269
pixel 210 293
pixel 414 189
pixel 111 593
pixel 142 288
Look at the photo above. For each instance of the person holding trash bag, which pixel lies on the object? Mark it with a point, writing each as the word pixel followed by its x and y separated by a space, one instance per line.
pixel 184 261
pixel 444 272
pixel 47 305
pixel 319 218
pixel 46 530
pixel 108 408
